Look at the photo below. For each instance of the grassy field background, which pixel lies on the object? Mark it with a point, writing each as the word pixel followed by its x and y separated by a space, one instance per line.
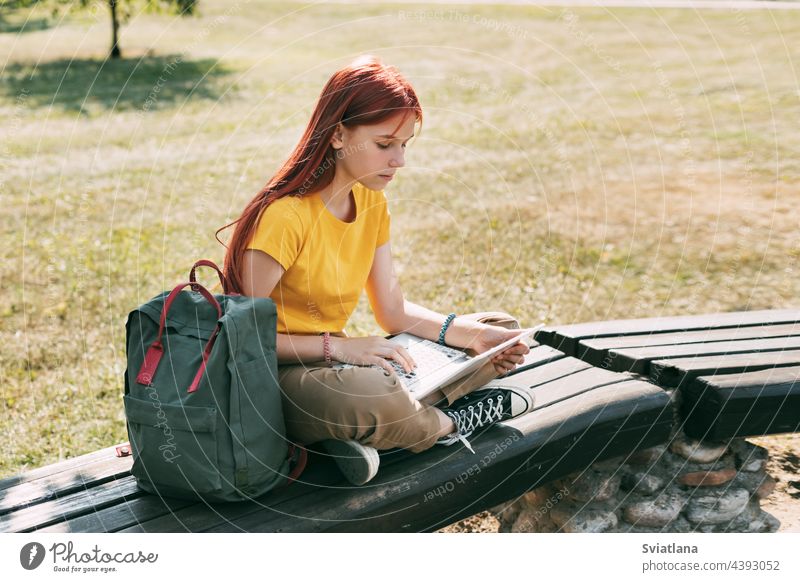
pixel 574 165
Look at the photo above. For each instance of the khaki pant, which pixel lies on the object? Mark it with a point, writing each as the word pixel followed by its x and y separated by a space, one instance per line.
pixel 369 404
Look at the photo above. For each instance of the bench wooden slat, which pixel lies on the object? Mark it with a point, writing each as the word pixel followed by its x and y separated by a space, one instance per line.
pixel 59 467
pixel 71 505
pixel 120 515
pixel 125 512
pixel 566 337
pixel 678 371
pixel 638 359
pixel 624 396
pixel 538 356
pixel 58 485
pixel 200 516
pixel 552 371
pixel 548 393
pixel 594 425
pixel 154 514
pixel 746 404
pixel 595 351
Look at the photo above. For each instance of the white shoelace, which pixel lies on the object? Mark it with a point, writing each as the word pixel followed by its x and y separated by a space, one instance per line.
pixel 482 414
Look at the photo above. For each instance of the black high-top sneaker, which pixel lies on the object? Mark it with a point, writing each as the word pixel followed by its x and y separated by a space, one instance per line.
pixel 483 408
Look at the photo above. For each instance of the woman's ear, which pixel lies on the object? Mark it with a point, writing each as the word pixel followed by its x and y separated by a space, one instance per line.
pixel 336 138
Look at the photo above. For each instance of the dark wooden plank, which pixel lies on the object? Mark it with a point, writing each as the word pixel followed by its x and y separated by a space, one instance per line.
pixel 568 386
pixel 544 336
pixel 629 395
pixel 60 484
pixel 746 404
pixel 72 505
pixel 548 336
pixel 538 356
pixel 566 337
pixel 124 514
pixel 638 359
pixel 567 435
pixel 124 511
pixel 164 514
pixel 678 371
pixel 321 474
pixel 595 351
pixel 550 371
pixel 777 382
pixel 192 518
pixel 59 467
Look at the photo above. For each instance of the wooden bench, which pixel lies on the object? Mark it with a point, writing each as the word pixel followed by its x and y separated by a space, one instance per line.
pixel 581 415
pixel 736 373
pixel 601 392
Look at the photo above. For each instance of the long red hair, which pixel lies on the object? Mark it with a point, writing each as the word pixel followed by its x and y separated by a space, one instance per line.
pixel 365 92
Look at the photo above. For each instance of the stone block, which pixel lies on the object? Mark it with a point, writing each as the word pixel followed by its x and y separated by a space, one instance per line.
pixel 707 478
pixel 758 483
pixel 749 457
pixel 657 512
pixel 716 507
pixel 646 456
pixel 573 518
pixel 696 451
pixel 642 482
pixel 592 485
pixel 531 521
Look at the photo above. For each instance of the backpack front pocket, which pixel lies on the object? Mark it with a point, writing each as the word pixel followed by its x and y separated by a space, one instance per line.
pixel 173 444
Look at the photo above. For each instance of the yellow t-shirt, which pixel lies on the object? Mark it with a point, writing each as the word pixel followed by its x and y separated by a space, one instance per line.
pixel 327 260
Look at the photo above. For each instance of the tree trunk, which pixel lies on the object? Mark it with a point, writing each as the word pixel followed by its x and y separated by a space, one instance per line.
pixel 115 52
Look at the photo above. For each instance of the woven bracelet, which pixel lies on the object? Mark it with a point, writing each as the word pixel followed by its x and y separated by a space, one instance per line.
pixel 445 325
pixel 326 347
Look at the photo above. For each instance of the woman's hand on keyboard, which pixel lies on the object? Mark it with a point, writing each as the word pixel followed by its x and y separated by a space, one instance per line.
pixel 506 360
pixel 370 350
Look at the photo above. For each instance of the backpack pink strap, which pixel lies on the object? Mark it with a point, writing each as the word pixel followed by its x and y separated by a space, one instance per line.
pixel 156 349
pixel 206 353
pixel 299 464
pixel 205 263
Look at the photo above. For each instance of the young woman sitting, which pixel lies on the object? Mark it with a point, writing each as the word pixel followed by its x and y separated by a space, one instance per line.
pixel 313 239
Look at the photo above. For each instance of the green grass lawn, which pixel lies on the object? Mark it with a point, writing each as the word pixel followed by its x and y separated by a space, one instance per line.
pixel 574 165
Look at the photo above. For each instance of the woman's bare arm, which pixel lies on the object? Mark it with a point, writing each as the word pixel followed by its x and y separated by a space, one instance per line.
pixel 260 274
pixel 395 314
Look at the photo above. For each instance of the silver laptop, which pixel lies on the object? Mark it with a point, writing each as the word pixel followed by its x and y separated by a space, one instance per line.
pixel 439 365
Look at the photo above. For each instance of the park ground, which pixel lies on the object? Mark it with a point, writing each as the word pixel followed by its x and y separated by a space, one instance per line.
pixel 574 164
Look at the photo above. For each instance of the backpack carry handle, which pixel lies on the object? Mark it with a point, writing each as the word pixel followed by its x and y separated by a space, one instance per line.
pixel 205 263
pixel 156 349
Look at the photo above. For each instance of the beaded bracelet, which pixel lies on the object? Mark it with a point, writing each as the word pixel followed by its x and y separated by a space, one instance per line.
pixel 326 347
pixel 445 325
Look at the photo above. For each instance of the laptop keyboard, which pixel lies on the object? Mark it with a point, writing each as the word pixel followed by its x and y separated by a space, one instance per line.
pixel 429 357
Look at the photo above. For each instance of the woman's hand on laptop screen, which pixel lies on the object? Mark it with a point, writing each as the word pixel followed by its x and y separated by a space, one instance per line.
pixel 492 335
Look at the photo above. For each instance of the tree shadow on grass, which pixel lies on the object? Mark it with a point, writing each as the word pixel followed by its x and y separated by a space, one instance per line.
pixel 89 85
pixel 22 26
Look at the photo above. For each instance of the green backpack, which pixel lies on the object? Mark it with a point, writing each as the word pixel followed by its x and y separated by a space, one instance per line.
pixel 202 399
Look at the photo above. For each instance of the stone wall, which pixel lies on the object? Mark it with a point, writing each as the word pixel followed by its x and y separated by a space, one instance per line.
pixel 685 486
